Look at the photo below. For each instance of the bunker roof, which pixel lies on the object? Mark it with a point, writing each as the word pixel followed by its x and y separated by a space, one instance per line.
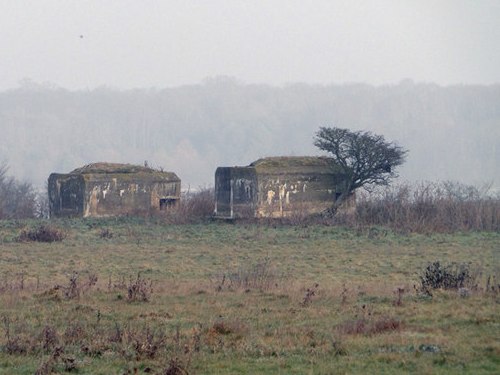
pixel 117 168
pixel 295 164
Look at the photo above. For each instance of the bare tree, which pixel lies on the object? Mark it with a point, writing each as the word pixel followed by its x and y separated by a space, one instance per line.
pixel 17 199
pixel 363 158
pixel 5 184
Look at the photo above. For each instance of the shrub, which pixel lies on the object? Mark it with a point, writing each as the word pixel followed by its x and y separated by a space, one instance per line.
pixel 139 290
pixel 364 326
pixel 18 200
pixel 221 328
pixel 310 293
pixel 261 275
pixel 175 367
pixel 192 207
pixel 428 207
pixel 147 343
pixel 43 233
pixel 105 233
pixel 492 284
pixel 451 276
pixel 49 338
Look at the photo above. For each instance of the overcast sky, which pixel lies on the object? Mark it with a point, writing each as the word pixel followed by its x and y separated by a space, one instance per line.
pixel 79 44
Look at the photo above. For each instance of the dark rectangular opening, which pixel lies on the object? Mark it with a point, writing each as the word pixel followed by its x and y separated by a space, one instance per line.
pixel 166 203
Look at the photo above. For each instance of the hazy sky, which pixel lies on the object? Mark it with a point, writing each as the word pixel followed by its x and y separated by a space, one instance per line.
pixel 145 43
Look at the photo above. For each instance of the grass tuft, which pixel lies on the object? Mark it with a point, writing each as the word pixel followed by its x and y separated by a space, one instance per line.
pixel 43 233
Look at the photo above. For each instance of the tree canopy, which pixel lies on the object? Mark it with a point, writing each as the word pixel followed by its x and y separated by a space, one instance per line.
pixel 364 158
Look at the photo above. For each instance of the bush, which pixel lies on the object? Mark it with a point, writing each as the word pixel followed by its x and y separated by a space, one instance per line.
pixel 429 207
pixel 139 289
pixel 261 275
pixel 18 200
pixel 452 276
pixel 192 207
pixel 369 327
pixel 44 233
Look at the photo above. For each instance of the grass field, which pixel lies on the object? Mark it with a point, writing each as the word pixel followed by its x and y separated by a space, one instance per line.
pixel 126 296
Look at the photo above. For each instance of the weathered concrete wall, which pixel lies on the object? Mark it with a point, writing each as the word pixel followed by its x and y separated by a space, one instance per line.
pixel 99 192
pixel 235 191
pixel 277 187
pixel 281 194
pixel 66 194
pixel 125 195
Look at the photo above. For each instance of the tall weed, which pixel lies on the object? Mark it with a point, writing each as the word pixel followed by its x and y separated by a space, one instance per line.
pixel 428 207
pixel 192 207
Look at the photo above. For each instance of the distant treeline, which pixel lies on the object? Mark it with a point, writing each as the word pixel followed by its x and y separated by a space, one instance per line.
pixel 453 133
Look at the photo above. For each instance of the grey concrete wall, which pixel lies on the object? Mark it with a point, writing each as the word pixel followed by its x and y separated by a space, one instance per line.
pixel 108 194
pixel 235 192
pixel 282 194
pixel 66 195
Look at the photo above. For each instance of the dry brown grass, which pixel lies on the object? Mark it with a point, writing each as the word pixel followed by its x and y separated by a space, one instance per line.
pixel 193 207
pixel 272 318
pixel 429 208
pixel 365 326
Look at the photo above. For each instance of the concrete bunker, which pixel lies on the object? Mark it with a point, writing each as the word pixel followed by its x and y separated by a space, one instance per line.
pixel 110 189
pixel 277 187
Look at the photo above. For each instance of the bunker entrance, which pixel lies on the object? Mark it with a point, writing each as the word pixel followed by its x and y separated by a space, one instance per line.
pixel 168 202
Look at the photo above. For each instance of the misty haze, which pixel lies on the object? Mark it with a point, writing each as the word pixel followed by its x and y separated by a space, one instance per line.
pixel 452 133
pixel 190 86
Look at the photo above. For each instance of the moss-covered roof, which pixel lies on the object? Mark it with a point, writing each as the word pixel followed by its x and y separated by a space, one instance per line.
pixel 117 168
pixel 294 163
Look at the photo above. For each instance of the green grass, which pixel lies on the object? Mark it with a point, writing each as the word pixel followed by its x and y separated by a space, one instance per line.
pixel 211 327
